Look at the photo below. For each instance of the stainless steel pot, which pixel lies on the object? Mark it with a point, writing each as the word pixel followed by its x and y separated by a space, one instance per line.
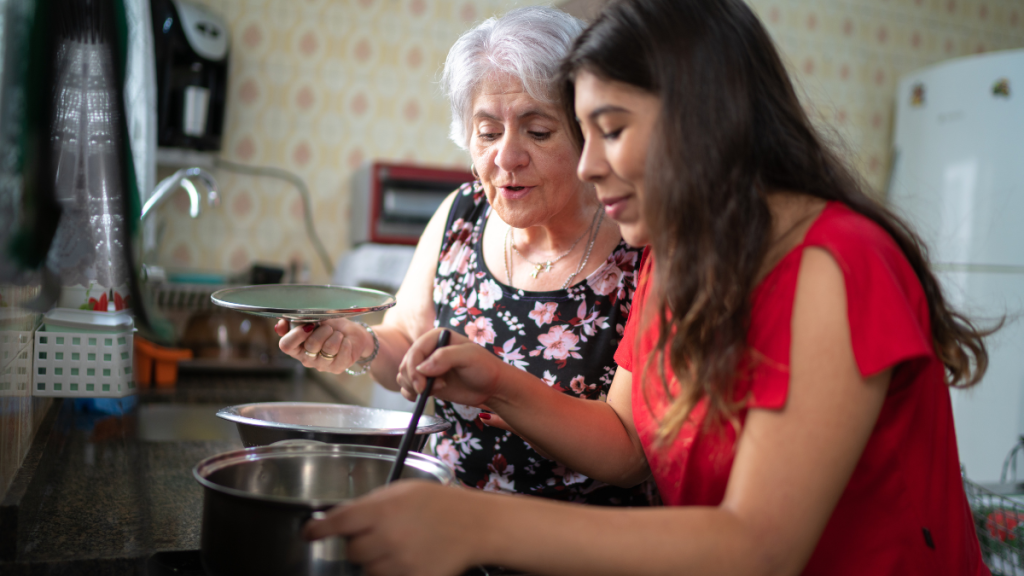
pixel 264 423
pixel 256 500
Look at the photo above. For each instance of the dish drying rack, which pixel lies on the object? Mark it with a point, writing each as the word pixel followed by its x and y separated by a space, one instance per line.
pixel 999 521
pixel 177 302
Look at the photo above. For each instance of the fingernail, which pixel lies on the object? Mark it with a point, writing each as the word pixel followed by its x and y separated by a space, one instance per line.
pixel 308 327
pixel 485 416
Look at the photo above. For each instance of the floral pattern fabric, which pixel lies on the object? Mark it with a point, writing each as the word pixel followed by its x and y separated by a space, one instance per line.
pixel 567 338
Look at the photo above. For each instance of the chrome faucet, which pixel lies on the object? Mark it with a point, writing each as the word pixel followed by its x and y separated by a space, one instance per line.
pixel 183 178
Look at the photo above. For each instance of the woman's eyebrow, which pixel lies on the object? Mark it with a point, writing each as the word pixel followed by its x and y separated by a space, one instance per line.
pixel 481 115
pixel 538 113
pixel 606 109
pixel 533 112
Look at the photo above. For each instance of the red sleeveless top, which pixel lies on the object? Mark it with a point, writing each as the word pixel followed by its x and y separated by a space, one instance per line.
pixel 904 510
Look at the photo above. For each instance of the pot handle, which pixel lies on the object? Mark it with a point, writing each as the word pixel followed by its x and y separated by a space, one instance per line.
pixel 330 549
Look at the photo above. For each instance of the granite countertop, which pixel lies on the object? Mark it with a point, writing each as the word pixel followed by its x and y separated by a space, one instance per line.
pixel 101 493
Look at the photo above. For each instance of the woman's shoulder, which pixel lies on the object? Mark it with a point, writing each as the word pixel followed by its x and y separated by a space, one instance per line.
pixel 469 204
pixel 617 274
pixel 869 257
pixel 841 228
pixel 625 257
pixel 862 248
pixel 886 304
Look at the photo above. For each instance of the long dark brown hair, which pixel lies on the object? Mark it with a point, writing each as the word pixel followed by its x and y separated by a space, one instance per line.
pixel 731 130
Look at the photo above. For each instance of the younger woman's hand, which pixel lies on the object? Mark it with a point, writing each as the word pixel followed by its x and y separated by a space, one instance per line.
pixel 328 346
pixel 411 528
pixel 465 372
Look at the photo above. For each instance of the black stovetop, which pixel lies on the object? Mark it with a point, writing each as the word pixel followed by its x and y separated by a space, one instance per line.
pixel 189 563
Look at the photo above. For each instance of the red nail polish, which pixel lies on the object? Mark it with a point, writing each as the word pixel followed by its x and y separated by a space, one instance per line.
pixel 485 416
pixel 308 327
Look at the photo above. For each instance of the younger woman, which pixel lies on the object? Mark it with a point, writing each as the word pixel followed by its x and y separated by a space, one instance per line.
pixel 783 374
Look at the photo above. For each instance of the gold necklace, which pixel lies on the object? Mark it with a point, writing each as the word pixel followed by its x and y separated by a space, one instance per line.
pixel 546 266
pixel 590 246
pixel 539 268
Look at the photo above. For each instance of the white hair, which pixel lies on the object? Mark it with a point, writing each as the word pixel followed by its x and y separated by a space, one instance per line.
pixel 527 43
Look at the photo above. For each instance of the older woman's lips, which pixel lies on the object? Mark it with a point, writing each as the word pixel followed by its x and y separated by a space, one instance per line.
pixel 614 207
pixel 515 192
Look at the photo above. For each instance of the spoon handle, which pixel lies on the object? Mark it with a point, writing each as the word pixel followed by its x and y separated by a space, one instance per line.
pixel 421 402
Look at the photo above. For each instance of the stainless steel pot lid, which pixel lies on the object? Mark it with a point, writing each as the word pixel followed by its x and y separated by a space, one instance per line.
pixel 315 475
pixel 303 302
pixel 329 418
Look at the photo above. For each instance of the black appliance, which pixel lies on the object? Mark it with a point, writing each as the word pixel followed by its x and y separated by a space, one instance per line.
pixel 191 45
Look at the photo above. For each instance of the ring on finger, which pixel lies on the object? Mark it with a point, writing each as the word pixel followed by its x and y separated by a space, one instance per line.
pixel 328 356
pixel 311 354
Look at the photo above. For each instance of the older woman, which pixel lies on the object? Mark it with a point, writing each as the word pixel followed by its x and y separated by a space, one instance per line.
pixel 523 261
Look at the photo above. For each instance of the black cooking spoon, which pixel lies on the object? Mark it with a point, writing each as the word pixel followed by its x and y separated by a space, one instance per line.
pixel 421 402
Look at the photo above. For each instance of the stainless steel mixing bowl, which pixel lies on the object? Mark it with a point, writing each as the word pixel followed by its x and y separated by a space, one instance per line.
pixel 256 500
pixel 264 423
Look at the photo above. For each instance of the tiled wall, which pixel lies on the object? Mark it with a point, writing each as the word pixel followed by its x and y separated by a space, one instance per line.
pixel 321 86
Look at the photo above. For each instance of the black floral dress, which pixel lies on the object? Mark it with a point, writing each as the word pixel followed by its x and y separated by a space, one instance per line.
pixel 565 337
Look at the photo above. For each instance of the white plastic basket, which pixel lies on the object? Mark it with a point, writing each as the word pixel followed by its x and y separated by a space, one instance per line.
pixel 83 364
pixel 16 371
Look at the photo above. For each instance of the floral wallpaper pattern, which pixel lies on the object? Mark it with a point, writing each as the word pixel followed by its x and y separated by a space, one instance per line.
pixel 320 87
pixel 848 56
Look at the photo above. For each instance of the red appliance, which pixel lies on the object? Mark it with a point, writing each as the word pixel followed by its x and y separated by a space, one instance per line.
pixel 392 203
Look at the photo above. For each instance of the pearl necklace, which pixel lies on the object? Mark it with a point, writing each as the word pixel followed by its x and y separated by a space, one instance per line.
pixel 546 266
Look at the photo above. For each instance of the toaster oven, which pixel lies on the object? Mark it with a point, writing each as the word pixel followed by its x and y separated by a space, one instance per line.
pixel 392 203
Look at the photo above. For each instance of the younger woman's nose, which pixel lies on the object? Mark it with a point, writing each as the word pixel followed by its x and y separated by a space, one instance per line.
pixel 592 166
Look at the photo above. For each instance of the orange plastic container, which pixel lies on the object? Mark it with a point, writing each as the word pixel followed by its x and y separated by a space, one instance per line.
pixel 157 364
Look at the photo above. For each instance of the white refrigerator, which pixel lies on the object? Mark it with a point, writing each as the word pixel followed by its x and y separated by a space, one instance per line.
pixel 958 177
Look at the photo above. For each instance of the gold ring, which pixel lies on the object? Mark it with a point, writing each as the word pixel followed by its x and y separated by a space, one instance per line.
pixel 311 354
pixel 328 356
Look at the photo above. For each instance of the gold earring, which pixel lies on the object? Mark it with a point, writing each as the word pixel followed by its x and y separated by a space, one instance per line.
pixel 472 170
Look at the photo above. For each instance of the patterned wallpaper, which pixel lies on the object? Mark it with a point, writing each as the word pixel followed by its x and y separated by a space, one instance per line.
pixel 848 55
pixel 321 86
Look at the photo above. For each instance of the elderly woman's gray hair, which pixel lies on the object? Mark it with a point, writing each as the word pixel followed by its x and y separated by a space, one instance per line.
pixel 526 43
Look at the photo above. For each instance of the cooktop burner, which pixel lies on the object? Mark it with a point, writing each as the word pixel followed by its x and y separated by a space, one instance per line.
pixel 189 563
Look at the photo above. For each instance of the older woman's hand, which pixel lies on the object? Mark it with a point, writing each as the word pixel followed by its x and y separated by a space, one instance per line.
pixel 466 373
pixel 329 346
pixel 408 528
